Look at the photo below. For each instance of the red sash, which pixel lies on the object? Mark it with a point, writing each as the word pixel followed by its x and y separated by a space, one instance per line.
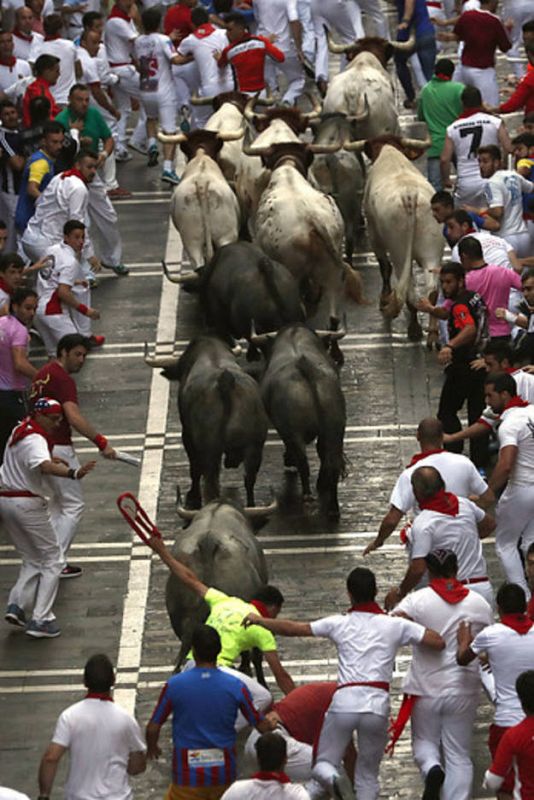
pixel 397 726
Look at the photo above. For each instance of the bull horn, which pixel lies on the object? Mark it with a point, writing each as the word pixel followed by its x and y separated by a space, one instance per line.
pixel 362 115
pixel 317 108
pixel 333 335
pixel 333 46
pixel 256 512
pixel 250 150
pixel 319 149
pixel 356 146
pixel 230 136
pixel 416 144
pixel 250 114
pixel 172 138
pixel 404 47
pixel 260 338
pixel 184 513
pixel 268 100
pixel 159 362
pixel 186 277
pixel 201 101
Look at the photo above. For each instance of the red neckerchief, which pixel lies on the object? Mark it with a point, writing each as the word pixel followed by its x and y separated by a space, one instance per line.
pixel 449 589
pixel 510 370
pixel 51 38
pixel 443 77
pixel 443 502
pixel 520 623
pixel 119 13
pixel 73 173
pixel 515 402
pixel 27 427
pixel 469 112
pixel 261 607
pixel 367 608
pixel 203 31
pixel 5 288
pixel 8 62
pixel 418 456
pixel 263 775
pixel 28 37
pixel 99 696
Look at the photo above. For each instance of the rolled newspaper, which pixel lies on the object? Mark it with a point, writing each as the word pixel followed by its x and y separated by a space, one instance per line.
pixel 128 459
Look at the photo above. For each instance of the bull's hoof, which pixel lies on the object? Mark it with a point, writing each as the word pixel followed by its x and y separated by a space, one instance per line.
pixel 336 354
pixel 415 332
pixel 308 499
pixel 390 306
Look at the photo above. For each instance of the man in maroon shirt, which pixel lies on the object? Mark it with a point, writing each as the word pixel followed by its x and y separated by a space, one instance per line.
pixel 54 380
pixel 482 32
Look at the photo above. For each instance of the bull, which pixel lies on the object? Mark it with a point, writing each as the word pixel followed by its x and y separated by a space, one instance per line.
pixel 302 227
pixel 220 547
pixel 204 208
pixel 400 226
pixel 221 412
pixel 365 85
pixel 303 397
pixel 242 287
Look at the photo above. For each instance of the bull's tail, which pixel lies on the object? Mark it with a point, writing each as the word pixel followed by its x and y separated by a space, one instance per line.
pixel 351 277
pixel 226 384
pixel 203 201
pixel 398 297
pixel 266 270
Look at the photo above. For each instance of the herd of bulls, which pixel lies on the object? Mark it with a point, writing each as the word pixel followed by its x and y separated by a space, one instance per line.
pixel 300 203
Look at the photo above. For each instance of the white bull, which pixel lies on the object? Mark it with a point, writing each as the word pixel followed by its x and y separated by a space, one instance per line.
pixel 400 225
pixel 204 209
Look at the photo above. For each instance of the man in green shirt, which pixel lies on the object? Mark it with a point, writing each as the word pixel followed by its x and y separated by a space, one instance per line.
pixel 227 614
pixel 94 130
pixel 440 104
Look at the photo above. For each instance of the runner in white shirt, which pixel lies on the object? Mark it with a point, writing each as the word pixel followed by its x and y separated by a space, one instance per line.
pixel 271 782
pixel 459 474
pixel 104 742
pixel 446 522
pixel 515 471
pixel 202 45
pixel 12 69
pixel 64 295
pixel 280 17
pixel 65 50
pixel 23 34
pixel 495 249
pixel 473 129
pixel 26 518
pixel 446 695
pixel 155 53
pixel 367 641
pixel 345 19
pixel 509 646
pixel 120 34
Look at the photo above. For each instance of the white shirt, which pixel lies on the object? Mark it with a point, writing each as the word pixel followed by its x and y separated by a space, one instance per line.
pixel 89 68
pixel 432 530
pixel 506 188
pixel 274 16
pixel 119 36
pixel 10 75
pixel 434 673
pixel 509 655
pixel 494 249
pixel 366 648
pixel 63 199
pixel 254 789
pixel 67 52
pixel 20 470
pixel 100 737
pixel 11 794
pixel 154 52
pixel 22 47
pixel 525 389
pixel 213 80
pixel 478 130
pixel 66 269
pixel 459 474
pixel 517 429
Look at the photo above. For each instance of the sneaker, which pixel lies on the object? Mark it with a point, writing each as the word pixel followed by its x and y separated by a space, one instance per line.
pixel 170 176
pixel 123 155
pixel 43 630
pixel 15 615
pixel 433 783
pixel 97 341
pixel 185 125
pixel 138 147
pixel 118 269
pixel 70 571
pixel 119 193
pixel 153 155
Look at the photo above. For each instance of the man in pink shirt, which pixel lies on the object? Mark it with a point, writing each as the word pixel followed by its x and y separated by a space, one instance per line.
pixel 491 282
pixel 16 371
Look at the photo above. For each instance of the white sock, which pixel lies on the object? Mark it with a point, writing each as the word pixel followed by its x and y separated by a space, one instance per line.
pixel 152 142
pixel 167 166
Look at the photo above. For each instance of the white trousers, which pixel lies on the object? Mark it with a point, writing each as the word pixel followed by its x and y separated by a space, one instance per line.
pixel 186 79
pixel 515 523
pixel 485 81
pixel 104 222
pixel 308 35
pixel 34 244
pixel 520 11
pixel 53 327
pixel 469 192
pixel 299 754
pixel 520 241
pixel 336 734
pixel 123 91
pixel 8 205
pixel 292 69
pixel 445 725
pixel 342 16
pixel 485 590
pixel 375 15
pixel 27 522
pixel 66 502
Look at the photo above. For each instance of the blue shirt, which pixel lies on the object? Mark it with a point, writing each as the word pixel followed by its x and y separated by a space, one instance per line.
pixel 420 19
pixel 204 702
pixel 26 204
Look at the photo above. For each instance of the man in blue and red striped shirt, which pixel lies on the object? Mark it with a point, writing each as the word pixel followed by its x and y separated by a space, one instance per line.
pixel 204 702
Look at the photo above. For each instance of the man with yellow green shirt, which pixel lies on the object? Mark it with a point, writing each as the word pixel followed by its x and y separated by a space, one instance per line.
pixel 440 104
pixel 227 614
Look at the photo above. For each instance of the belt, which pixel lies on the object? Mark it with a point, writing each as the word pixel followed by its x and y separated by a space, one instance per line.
pixel 375 684
pixel 475 580
pixel 433 4
pixel 17 493
pixel 120 64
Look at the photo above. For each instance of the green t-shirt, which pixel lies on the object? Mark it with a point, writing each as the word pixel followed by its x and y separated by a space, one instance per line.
pixel 440 105
pixel 226 616
pixel 95 127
